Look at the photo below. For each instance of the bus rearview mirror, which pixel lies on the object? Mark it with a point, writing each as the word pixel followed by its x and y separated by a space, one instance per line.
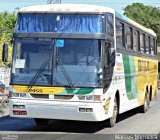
pixel 5 53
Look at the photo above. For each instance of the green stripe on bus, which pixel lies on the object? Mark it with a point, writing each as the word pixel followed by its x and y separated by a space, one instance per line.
pixel 78 91
pixel 130 76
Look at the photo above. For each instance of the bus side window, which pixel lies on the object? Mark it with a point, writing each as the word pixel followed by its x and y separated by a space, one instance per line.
pixel 142 49
pixel 119 34
pixel 155 47
pixel 149 39
pixel 147 44
pixel 108 63
pixel 159 70
pixel 152 46
pixel 109 24
pixel 136 41
pixel 129 38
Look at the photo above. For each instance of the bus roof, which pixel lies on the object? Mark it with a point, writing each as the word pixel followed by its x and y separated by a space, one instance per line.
pixel 66 8
pixel 82 8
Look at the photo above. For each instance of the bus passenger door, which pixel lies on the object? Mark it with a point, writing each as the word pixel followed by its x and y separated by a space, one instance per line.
pixel 108 63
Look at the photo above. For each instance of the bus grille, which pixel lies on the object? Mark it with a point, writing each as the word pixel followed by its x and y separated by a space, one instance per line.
pixel 57 97
pixel 63 97
pixel 41 96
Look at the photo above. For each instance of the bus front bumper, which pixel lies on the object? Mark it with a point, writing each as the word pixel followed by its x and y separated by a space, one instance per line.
pixel 80 111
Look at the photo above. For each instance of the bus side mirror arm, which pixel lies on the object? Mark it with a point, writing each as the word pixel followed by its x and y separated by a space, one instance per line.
pixel 108 44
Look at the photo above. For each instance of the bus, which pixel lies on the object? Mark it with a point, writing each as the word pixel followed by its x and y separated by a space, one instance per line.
pixel 158 84
pixel 80 62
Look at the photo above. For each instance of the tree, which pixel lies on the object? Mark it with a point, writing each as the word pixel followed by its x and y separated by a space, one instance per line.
pixel 7 24
pixel 147 16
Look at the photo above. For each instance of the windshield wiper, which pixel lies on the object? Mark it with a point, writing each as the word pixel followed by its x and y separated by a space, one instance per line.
pixel 66 75
pixel 38 74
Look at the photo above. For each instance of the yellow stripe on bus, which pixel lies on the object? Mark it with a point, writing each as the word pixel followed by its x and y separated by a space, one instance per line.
pixel 119 68
pixel 38 89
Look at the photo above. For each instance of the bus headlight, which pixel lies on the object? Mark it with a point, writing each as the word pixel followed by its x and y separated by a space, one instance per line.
pixel 21 95
pixel 81 97
pixel 14 94
pixel 90 98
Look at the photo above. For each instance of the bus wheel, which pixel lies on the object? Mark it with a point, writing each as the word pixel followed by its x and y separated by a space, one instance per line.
pixel 41 121
pixel 112 120
pixel 144 108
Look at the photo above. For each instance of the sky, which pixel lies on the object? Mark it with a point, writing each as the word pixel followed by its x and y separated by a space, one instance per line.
pixel 118 5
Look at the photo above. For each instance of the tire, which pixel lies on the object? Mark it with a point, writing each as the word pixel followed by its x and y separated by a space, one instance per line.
pixel 144 108
pixel 41 121
pixel 113 119
pixel 149 98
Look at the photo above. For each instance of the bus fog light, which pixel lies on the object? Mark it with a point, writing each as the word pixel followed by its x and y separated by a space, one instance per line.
pixel 21 106
pixel 18 106
pixel 85 109
pixel 15 107
pixel 82 110
pixel 89 109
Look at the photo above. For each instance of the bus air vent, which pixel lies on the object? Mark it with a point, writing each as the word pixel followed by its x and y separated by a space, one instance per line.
pixel 63 97
pixel 41 96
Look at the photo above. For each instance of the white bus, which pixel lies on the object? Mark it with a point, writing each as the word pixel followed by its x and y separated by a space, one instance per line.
pixel 80 62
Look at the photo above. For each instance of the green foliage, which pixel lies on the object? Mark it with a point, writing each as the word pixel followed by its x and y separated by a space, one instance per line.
pixel 148 16
pixel 7 24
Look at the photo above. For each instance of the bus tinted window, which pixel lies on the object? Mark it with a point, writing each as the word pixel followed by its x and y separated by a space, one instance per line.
pixel 147 44
pixel 136 40
pixel 119 34
pixel 109 24
pixel 129 38
pixel 66 23
pixel 142 43
pixel 155 48
pixel 152 46
pixel 149 38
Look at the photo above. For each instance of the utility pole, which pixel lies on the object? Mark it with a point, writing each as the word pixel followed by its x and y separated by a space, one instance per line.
pixel 53 1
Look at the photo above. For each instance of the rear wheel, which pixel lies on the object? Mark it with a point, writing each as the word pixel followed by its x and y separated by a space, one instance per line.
pixel 112 120
pixel 144 108
pixel 41 121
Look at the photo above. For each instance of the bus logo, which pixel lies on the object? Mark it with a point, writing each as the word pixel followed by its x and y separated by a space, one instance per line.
pixel 35 90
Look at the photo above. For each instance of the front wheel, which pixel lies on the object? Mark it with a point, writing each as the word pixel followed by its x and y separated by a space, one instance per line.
pixel 113 119
pixel 41 121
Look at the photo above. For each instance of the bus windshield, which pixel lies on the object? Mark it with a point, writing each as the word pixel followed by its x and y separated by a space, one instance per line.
pixel 54 61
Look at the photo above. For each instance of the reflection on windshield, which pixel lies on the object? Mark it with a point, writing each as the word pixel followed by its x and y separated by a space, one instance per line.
pixel 79 57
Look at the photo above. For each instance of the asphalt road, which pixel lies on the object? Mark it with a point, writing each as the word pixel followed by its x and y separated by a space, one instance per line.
pixel 131 122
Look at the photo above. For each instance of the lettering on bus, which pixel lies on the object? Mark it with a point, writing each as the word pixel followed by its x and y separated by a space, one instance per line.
pixel 35 90
pixel 143 65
